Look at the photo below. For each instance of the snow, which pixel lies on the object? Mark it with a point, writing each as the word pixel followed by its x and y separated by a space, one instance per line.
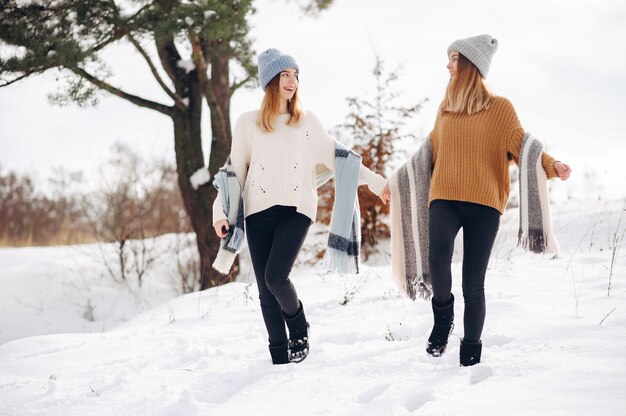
pixel 187 65
pixel 209 13
pixel 553 340
pixel 200 177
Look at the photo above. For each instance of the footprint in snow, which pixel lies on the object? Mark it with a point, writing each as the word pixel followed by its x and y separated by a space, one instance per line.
pixel 418 399
pixel 479 373
pixel 496 340
pixel 370 394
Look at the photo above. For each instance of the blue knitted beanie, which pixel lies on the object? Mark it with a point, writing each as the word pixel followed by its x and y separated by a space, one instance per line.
pixel 271 63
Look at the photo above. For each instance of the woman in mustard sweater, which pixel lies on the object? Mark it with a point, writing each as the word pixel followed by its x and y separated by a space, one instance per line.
pixel 475 136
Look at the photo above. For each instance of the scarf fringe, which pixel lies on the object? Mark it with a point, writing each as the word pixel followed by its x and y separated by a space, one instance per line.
pixel 419 288
pixel 535 241
pixel 224 261
pixel 339 262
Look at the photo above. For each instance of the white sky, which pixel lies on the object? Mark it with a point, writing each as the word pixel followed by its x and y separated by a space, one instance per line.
pixel 562 64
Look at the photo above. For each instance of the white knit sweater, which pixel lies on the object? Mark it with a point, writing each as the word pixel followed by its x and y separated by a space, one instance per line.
pixel 278 168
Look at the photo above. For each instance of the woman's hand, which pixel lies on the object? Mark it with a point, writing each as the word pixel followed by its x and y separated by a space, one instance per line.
pixel 385 196
pixel 562 170
pixel 219 228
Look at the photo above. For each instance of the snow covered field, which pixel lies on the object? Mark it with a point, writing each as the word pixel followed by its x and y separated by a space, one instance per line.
pixel 553 341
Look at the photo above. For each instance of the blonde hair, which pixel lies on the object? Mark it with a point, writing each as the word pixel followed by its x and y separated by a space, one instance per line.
pixel 271 105
pixel 467 92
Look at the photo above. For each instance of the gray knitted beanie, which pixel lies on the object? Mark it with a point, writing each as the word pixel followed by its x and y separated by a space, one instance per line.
pixel 478 49
pixel 271 63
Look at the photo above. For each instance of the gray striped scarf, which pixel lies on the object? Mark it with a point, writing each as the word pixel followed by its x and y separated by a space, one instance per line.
pixel 410 189
pixel 535 229
pixel 344 239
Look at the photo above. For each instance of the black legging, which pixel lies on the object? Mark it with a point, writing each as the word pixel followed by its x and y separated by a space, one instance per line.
pixel 480 225
pixel 275 237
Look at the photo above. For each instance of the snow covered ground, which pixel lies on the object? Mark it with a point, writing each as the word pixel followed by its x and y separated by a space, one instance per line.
pixel 554 339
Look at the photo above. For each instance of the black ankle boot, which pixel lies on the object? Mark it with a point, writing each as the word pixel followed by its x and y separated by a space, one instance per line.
pixel 298 336
pixel 279 353
pixel 444 323
pixel 470 352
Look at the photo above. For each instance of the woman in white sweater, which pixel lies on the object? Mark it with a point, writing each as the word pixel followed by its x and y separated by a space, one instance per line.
pixel 274 154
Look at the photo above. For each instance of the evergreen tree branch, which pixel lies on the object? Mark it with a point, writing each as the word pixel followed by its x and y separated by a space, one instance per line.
pixel 177 99
pixel 141 102
pixel 236 85
pixel 209 96
pixel 208 92
pixel 198 55
pixel 169 57
pixel 26 75
pixel 116 36
pixel 201 57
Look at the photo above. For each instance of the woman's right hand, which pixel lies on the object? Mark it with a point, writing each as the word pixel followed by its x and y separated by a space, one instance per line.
pixel 562 170
pixel 218 228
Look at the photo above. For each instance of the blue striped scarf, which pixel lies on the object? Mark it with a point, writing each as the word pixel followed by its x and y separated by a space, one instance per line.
pixel 230 191
pixel 344 239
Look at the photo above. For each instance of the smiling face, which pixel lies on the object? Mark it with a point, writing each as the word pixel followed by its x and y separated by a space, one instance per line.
pixel 453 63
pixel 288 83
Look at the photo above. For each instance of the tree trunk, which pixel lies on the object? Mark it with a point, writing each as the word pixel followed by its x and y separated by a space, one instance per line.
pixel 198 202
pixel 221 138
pixel 220 111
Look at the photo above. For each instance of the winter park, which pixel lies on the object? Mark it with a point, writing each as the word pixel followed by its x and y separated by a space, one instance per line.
pixel 144 143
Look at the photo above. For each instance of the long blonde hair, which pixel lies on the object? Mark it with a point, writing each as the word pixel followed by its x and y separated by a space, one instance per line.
pixel 271 105
pixel 467 91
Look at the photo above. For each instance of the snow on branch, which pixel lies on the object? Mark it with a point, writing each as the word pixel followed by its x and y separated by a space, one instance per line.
pixel 199 178
pixel 187 65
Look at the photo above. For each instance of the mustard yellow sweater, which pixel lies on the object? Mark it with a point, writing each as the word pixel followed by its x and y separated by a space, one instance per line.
pixel 470 155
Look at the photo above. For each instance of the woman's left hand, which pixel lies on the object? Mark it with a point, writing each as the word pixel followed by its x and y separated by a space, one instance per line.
pixel 562 170
pixel 385 196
